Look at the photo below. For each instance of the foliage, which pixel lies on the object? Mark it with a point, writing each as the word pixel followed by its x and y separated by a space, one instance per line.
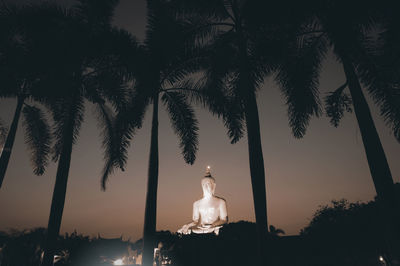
pixel 22 247
pixel 37 137
pixel 159 70
pixel 350 229
pixel 360 32
pixel 275 231
pixel 74 56
pixel 340 216
pixel 336 103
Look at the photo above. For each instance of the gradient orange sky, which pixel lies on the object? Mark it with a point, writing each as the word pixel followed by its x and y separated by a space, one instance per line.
pixel 328 163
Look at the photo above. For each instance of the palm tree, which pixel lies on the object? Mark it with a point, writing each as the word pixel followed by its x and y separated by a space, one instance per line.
pixel 345 27
pixel 37 137
pixel 165 61
pixel 17 80
pixel 242 51
pixel 233 70
pixel 77 53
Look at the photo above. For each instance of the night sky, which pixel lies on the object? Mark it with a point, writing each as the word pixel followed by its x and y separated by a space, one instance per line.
pixel 328 163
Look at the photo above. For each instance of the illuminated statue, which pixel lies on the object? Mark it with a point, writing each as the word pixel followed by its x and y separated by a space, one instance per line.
pixel 209 212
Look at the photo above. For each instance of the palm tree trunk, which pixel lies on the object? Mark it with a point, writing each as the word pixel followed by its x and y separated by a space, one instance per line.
pixel 257 173
pixel 8 145
pixel 57 203
pixel 256 159
pixel 150 215
pixel 377 162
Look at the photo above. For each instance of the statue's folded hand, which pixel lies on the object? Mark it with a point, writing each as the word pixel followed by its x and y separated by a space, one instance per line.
pixel 187 228
pixel 206 226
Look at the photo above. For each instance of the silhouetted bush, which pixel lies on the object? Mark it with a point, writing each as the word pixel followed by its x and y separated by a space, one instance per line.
pixel 21 247
pixel 346 233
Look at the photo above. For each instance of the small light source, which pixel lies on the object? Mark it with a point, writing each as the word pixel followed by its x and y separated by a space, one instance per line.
pixel 381 258
pixel 208 167
pixel 118 262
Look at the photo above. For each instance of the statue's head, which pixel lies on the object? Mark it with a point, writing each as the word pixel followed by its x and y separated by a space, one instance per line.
pixel 208 185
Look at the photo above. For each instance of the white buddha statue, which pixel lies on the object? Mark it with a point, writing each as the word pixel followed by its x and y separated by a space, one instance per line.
pixel 209 212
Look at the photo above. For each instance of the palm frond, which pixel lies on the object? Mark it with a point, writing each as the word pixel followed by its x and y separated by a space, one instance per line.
pixel 388 99
pixel 211 9
pixel 96 13
pixel 37 137
pixel 68 114
pixel 106 84
pixel 298 77
pixel 188 62
pixel 234 119
pixel 212 93
pixel 162 25
pixel 119 131
pixel 336 103
pixel 220 84
pixel 184 123
pixel 111 69
pixel 222 99
pixel 201 30
pixel 106 121
pixel 379 73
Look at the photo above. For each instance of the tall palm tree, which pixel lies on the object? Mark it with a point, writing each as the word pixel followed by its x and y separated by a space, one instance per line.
pixel 233 70
pixel 17 77
pixel 346 27
pixel 242 52
pixel 37 137
pixel 165 60
pixel 77 60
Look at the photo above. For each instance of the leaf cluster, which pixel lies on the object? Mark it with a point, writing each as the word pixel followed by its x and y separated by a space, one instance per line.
pixel 38 137
pixel 336 103
pixel 62 57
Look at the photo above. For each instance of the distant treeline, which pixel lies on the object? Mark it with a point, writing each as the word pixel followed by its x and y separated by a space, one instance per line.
pixel 341 233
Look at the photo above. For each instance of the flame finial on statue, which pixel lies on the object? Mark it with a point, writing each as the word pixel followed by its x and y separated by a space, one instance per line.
pixel 208 172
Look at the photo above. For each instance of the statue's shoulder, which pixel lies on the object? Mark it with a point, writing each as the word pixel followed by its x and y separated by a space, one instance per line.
pixel 220 199
pixel 197 202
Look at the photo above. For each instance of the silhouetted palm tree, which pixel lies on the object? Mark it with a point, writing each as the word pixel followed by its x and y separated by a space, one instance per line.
pixel 165 60
pixel 73 56
pixel 18 77
pixel 76 57
pixel 232 69
pixel 242 51
pixel 346 28
pixel 37 137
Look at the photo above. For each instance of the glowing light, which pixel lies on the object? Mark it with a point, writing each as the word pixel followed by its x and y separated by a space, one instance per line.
pixel 118 262
pixel 208 167
pixel 381 258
